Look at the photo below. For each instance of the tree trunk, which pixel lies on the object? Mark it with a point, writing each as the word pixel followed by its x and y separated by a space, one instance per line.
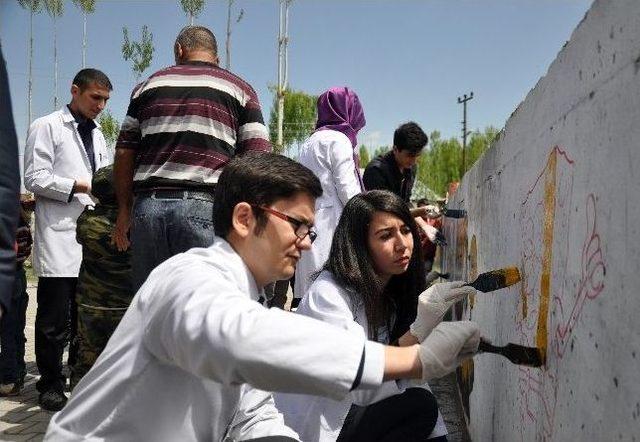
pixel 228 42
pixel 55 64
pixel 30 65
pixel 84 40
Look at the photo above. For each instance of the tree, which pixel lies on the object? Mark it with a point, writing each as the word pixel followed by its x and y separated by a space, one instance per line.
pixel 228 42
pixel 192 8
pixel 55 9
pixel 380 150
pixel 110 128
pixel 300 116
pixel 34 7
pixel 87 7
pixel 139 52
pixel 364 156
pixel 440 164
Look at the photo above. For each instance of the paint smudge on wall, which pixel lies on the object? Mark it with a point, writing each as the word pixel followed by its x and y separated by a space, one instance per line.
pixel 465 383
pixel 547 251
pixel 473 267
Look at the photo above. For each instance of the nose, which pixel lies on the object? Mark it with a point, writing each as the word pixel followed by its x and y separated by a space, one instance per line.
pixel 102 104
pixel 401 244
pixel 304 243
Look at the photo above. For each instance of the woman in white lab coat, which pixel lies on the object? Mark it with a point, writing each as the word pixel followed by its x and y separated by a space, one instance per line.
pixel 371 281
pixel 330 153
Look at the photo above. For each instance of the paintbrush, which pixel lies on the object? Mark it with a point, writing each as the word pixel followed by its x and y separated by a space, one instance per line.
pixel 496 279
pixel 518 354
pixel 454 213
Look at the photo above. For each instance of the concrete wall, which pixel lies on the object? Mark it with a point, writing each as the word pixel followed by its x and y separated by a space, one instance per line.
pixel 558 195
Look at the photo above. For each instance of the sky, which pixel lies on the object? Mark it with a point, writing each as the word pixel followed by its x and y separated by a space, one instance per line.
pixel 406 59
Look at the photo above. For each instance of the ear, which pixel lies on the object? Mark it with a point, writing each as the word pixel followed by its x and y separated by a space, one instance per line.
pixel 243 220
pixel 178 53
pixel 75 90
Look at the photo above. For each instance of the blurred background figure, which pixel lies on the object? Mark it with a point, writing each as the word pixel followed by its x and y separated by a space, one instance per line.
pixel 12 365
pixel 105 287
pixel 330 152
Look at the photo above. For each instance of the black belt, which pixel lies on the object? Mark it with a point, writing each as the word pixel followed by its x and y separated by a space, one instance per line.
pixel 178 194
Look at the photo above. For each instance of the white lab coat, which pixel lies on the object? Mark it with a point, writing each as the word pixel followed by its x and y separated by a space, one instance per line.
pixel 318 419
pixel 329 155
pixel 54 157
pixel 188 357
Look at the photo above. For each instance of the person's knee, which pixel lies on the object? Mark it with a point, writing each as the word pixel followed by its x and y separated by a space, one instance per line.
pixel 426 404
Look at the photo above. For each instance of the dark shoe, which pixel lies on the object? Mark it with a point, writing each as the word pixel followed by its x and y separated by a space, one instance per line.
pixel 13 389
pixel 52 400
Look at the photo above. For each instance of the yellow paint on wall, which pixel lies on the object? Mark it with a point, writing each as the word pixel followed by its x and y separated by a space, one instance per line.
pixel 547 252
pixel 523 292
pixel 473 266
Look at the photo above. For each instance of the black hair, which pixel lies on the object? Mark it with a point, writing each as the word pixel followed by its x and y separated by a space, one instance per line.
pixel 259 178
pixel 352 266
pixel 197 37
pixel 85 77
pixel 409 136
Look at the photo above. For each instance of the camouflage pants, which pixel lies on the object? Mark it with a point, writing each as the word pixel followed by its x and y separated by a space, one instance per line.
pixel 95 327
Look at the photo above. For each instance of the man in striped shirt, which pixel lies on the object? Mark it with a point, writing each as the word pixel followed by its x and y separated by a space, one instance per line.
pixel 184 123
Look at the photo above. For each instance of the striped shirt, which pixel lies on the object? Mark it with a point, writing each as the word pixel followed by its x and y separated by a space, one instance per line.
pixel 187 121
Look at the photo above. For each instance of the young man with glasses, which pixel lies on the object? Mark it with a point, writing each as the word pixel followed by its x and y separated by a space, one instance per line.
pixel 195 352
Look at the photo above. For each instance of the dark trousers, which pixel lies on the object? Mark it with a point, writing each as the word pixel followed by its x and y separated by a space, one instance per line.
pixel 410 416
pixel 56 325
pixel 12 366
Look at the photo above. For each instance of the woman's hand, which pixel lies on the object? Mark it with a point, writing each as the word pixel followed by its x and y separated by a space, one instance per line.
pixel 434 302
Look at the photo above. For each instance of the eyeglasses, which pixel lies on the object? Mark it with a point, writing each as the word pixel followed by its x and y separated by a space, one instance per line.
pixel 301 229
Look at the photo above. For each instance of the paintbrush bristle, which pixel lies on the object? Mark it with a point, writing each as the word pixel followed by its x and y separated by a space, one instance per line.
pixel 496 279
pixel 519 354
pixel 511 276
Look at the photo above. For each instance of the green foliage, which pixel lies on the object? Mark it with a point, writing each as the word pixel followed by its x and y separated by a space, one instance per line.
pixel 86 6
pixel 33 6
pixel 299 120
pixel 110 127
pixel 139 52
pixel 364 156
pixel 440 165
pixel 55 8
pixel 381 150
pixel 192 8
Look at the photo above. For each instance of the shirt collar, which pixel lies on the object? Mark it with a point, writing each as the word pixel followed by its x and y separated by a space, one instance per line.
pixel 80 119
pixel 245 280
pixel 198 63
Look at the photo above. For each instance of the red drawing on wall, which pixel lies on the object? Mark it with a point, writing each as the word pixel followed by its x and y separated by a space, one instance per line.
pixel 551 305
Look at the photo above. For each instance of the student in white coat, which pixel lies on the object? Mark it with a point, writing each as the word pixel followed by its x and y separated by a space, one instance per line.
pixel 195 352
pixel 371 283
pixel 62 151
pixel 330 154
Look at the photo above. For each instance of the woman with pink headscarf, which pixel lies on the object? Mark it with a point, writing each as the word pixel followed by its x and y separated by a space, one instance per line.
pixel 330 152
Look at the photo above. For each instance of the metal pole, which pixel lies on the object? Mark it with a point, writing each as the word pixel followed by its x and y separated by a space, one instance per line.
pixel 463 101
pixel 283 40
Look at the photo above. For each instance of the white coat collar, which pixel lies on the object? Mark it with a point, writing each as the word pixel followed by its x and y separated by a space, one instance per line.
pixel 67 116
pixel 245 280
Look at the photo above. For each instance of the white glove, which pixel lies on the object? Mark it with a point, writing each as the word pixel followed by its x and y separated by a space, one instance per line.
pixel 434 302
pixel 447 346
